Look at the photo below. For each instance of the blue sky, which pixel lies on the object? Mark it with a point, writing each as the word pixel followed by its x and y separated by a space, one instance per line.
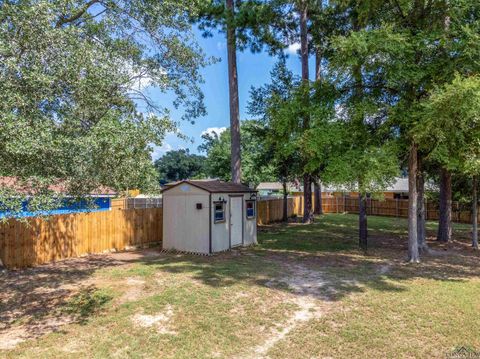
pixel 253 70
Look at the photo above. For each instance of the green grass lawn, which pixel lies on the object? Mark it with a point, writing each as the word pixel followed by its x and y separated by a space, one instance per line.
pixel 304 292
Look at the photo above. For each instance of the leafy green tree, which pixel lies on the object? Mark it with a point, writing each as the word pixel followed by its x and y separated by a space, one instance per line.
pixel 72 79
pixel 180 164
pixel 365 157
pixel 410 47
pixel 263 103
pixel 450 130
pixel 303 150
pixel 256 159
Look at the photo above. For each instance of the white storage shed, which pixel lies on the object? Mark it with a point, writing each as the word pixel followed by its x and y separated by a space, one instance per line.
pixel 208 216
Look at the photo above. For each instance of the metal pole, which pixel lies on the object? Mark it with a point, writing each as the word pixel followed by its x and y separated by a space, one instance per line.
pixel 426 209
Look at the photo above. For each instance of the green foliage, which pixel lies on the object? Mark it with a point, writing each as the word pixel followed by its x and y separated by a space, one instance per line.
pixel 256 158
pixel 408 49
pixel 258 24
pixel 390 63
pixel 263 104
pixel 72 77
pixel 450 129
pixel 180 164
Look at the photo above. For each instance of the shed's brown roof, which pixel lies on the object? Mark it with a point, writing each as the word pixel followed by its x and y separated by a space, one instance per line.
pixel 213 186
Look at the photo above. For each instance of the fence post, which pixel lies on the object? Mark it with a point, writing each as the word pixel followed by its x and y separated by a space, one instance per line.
pixel 336 202
pixel 344 204
pixel 396 207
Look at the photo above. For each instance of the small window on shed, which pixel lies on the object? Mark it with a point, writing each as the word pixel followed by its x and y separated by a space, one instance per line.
pixel 219 211
pixel 250 209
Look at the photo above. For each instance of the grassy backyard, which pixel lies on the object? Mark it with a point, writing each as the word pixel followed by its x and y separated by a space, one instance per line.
pixel 304 291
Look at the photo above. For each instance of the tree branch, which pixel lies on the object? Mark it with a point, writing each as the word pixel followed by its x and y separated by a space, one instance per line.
pixel 64 19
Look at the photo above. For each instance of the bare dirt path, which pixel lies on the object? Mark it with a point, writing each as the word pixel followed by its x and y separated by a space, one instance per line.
pixel 309 292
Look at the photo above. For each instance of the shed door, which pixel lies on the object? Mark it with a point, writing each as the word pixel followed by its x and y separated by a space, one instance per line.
pixel 236 221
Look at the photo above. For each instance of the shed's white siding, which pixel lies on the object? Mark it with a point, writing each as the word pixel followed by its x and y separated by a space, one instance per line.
pixel 186 228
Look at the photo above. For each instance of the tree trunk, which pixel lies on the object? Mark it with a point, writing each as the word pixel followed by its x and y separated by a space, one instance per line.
pixel 285 201
pixel 413 254
pixel 318 51
pixel 317 186
pixel 474 214
pixel 307 181
pixel 307 199
pixel 421 228
pixel 304 40
pixel 317 189
pixel 445 219
pixel 362 221
pixel 235 163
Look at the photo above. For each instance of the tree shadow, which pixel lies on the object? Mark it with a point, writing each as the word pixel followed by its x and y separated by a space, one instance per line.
pixel 319 261
pixel 39 300
pixel 323 262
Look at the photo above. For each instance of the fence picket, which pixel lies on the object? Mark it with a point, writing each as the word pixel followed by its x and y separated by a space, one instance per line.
pixel 41 241
pixel 37 241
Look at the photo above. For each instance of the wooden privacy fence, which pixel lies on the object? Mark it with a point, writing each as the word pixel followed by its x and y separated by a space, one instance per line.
pixel 73 235
pixel 271 210
pixel 393 208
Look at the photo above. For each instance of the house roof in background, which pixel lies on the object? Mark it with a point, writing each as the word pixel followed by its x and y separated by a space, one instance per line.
pixel 400 185
pixel 57 187
pixel 213 186
pixel 277 186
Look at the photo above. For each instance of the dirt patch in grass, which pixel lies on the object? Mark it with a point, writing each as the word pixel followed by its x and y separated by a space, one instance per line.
pixel 37 301
pixel 10 338
pixel 161 321
pixel 306 294
pixel 135 289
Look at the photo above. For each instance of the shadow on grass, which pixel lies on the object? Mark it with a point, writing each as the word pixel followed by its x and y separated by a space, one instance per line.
pixel 36 294
pixel 322 260
pixel 319 260
pixel 87 302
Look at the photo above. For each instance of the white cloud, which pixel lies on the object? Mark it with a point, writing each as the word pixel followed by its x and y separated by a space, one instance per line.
pixel 140 78
pixel 140 83
pixel 212 130
pixel 221 45
pixel 159 151
pixel 293 48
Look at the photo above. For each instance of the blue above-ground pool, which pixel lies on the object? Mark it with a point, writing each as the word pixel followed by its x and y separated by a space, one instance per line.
pixel 99 204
